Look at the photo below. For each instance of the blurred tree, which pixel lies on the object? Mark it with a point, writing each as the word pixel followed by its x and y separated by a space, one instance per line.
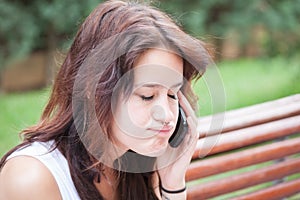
pixel 280 19
pixel 18 30
pixel 29 25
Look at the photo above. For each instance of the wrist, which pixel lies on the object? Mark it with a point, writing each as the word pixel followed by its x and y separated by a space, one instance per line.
pixel 183 189
pixel 179 194
pixel 173 186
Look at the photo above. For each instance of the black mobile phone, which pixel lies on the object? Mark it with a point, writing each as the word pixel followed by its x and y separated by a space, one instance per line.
pixel 180 130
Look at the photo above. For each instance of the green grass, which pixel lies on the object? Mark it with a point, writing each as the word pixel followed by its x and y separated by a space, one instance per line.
pixel 247 82
pixel 17 112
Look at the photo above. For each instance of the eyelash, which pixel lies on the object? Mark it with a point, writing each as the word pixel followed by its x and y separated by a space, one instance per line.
pixel 172 96
pixel 144 98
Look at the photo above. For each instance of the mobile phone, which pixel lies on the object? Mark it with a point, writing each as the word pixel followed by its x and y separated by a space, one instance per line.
pixel 180 129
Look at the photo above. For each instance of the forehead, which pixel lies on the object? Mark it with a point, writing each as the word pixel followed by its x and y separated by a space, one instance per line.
pixel 157 66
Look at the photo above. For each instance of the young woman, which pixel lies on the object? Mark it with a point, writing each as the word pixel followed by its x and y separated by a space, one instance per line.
pixel 121 96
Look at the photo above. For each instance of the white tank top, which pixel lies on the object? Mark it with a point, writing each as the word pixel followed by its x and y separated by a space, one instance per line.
pixel 55 162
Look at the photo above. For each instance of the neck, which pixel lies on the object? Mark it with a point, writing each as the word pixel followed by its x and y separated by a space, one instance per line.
pixel 113 152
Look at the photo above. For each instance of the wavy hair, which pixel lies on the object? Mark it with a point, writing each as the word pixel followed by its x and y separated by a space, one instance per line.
pixel 113 36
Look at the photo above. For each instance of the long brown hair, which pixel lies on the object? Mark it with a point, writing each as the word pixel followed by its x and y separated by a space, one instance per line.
pixel 138 27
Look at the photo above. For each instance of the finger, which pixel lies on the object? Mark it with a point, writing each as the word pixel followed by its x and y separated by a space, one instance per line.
pixel 187 108
pixel 191 141
pixel 193 134
pixel 193 127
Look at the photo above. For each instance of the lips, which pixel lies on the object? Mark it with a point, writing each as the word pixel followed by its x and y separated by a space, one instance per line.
pixel 164 129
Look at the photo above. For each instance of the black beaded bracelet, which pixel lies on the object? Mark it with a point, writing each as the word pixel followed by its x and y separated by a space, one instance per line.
pixel 173 191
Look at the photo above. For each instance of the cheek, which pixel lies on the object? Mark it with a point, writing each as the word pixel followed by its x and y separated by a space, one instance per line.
pixel 139 114
pixel 175 110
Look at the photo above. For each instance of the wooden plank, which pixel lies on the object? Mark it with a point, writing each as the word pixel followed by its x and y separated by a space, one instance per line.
pixel 211 125
pixel 247 136
pixel 261 107
pixel 202 168
pixel 237 182
pixel 279 191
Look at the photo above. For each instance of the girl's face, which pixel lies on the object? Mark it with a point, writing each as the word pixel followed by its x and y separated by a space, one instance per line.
pixel 146 120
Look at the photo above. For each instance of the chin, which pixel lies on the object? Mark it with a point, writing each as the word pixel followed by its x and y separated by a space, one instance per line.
pixel 157 153
pixel 153 149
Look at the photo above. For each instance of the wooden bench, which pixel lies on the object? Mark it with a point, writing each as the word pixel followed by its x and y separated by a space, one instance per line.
pixel 265 136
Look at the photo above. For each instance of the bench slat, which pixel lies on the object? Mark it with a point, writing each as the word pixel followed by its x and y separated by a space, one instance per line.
pixel 236 129
pixel 202 168
pixel 279 191
pixel 247 136
pixel 206 128
pixel 261 107
pixel 265 106
pixel 240 181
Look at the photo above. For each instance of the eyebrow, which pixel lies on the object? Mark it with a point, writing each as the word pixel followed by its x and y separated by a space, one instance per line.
pixel 152 85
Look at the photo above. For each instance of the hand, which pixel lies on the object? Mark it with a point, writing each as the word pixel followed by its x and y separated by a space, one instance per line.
pixel 172 165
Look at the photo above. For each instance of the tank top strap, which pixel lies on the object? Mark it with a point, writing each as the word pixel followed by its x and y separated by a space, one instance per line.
pixel 55 162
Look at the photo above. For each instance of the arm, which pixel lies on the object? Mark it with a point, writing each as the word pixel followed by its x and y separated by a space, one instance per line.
pixel 24 177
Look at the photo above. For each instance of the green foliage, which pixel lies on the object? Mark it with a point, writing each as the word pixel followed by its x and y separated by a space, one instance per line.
pixel 26 26
pixel 18 30
pixel 31 25
pixel 216 18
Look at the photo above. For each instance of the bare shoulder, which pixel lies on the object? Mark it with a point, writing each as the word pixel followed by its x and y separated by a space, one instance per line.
pixel 25 177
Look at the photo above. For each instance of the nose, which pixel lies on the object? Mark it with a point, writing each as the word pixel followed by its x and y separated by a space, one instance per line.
pixel 162 112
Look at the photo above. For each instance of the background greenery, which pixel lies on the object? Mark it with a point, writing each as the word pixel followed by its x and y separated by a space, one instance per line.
pixel 30 25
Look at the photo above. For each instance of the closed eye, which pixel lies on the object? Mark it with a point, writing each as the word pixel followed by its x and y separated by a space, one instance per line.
pixel 172 96
pixel 146 98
